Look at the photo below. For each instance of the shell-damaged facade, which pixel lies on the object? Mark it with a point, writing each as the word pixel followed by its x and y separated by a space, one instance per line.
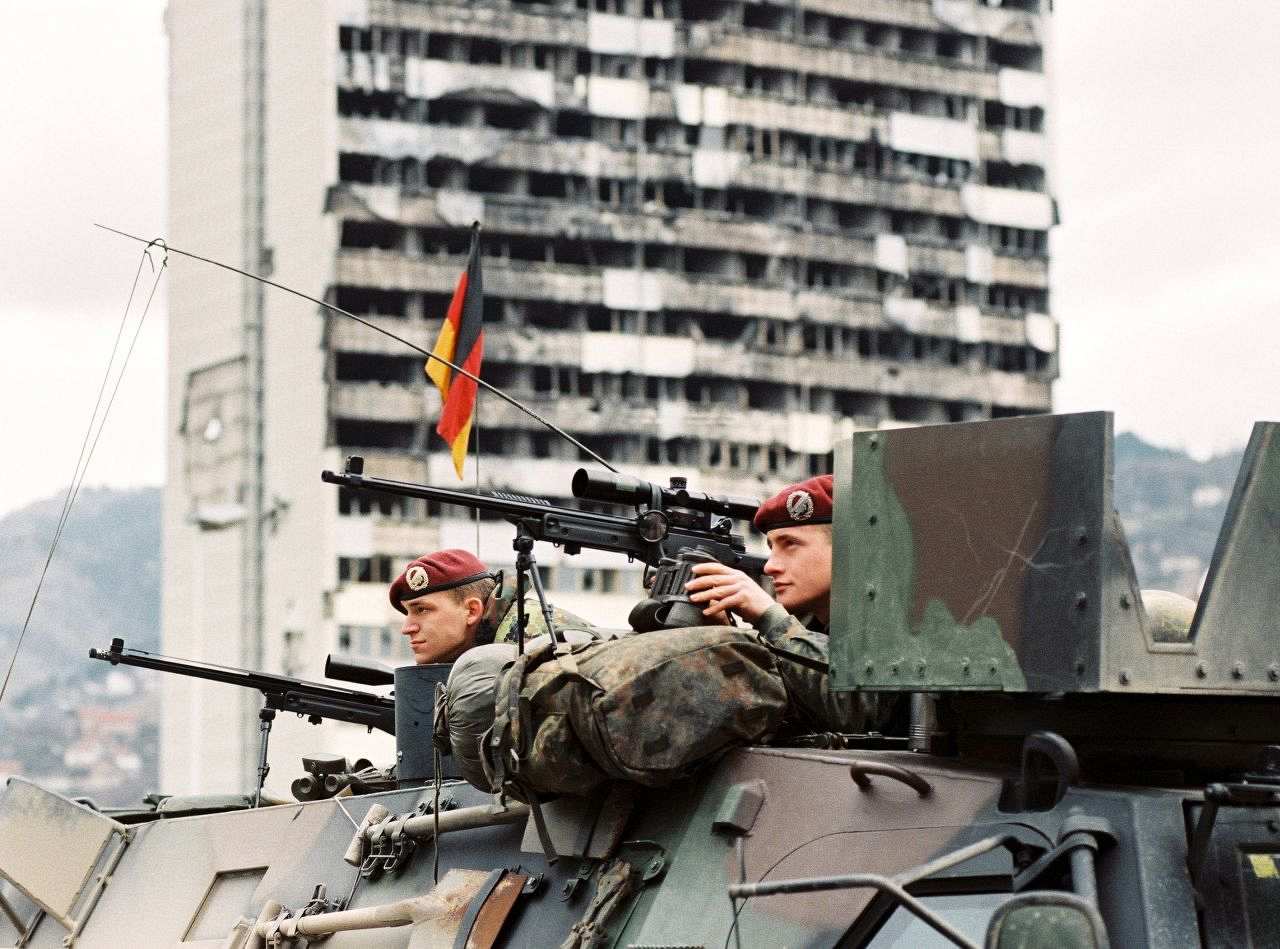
pixel 739 242
pixel 718 236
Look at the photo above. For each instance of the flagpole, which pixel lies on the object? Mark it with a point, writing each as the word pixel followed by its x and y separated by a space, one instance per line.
pixel 478 253
pixel 476 512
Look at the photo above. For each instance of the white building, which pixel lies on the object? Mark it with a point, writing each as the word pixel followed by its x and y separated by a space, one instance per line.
pixel 718 235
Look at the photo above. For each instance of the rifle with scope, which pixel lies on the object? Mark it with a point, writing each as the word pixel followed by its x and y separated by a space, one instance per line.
pixel 668 521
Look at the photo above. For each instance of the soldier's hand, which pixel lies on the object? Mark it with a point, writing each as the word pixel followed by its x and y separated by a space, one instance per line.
pixel 724 589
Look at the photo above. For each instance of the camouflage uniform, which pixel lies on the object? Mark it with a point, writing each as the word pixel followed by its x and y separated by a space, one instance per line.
pixel 803 648
pixel 501 617
pixel 816 706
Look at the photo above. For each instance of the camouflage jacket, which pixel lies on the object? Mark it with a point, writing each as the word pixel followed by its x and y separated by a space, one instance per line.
pixel 817 706
pixel 502 614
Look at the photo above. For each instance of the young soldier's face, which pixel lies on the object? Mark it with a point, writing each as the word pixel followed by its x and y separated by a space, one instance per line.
pixel 800 565
pixel 439 626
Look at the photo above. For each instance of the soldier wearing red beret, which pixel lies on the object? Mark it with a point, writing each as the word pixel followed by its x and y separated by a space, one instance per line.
pixel 452 602
pixel 797 524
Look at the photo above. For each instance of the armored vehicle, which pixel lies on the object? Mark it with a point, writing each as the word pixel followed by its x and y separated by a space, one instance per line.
pixel 1078 764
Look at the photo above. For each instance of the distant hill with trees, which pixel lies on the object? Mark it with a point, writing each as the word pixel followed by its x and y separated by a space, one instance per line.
pixel 104 580
pixel 71 724
pixel 1172 507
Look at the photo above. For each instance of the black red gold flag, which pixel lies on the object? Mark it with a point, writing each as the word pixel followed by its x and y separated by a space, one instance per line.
pixel 461 341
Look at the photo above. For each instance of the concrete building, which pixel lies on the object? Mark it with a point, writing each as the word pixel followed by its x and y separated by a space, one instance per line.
pixel 719 235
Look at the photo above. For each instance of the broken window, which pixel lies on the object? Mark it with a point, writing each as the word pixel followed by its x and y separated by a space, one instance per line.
pixel 1022 177
pixel 771 396
pixel 371 234
pixel 356 168
pixel 708 10
pixel 1016 56
pixel 955 46
pixel 546 315
pixel 547 185
pixel 723 327
pixel 355 569
pixel 375 367
pixel 916 42
pixel 571 124
pixel 511 117
pixel 368 433
pixel 371 300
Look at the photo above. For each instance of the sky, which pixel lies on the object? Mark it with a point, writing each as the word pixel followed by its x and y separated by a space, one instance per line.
pixel 82 140
pixel 1165 144
pixel 1164 269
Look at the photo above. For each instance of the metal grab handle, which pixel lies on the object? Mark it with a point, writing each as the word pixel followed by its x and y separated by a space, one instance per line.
pixel 861 772
pixel 895 886
pixel 1223 795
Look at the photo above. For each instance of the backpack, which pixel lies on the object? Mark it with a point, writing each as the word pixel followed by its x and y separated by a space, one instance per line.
pixel 649 709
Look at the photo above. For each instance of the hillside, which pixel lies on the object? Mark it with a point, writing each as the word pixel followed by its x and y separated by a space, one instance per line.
pixel 72 724
pixel 104 580
pixel 1172 507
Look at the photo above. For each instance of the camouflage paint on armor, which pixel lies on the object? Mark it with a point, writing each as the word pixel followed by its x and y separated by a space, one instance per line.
pixel 989 557
pixel 908 635
pixel 971 556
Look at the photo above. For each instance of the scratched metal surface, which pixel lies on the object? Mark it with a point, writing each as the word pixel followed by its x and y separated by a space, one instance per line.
pixel 974 556
pixel 988 556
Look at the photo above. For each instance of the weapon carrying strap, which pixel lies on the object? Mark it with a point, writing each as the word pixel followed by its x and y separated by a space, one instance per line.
pixel 488 911
pixel 507 739
pixel 808 661
pixel 539 822
pixel 440 721
pixel 504 733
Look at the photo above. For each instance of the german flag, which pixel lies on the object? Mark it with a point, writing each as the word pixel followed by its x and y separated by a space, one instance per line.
pixel 461 341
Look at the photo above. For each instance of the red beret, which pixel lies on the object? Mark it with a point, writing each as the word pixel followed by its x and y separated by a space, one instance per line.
pixel 797 505
pixel 432 573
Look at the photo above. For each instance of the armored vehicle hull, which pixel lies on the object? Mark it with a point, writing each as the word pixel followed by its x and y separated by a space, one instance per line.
pixel 763 815
pixel 1078 770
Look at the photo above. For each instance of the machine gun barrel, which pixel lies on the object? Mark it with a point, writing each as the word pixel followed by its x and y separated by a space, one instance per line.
pixel 282 693
pixel 572 529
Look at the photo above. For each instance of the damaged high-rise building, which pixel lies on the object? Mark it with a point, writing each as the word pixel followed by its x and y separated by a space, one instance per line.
pixel 718 235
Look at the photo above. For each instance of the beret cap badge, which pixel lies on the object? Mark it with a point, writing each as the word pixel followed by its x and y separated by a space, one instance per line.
pixel 800 505
pixel 416 577
pixel 797 505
